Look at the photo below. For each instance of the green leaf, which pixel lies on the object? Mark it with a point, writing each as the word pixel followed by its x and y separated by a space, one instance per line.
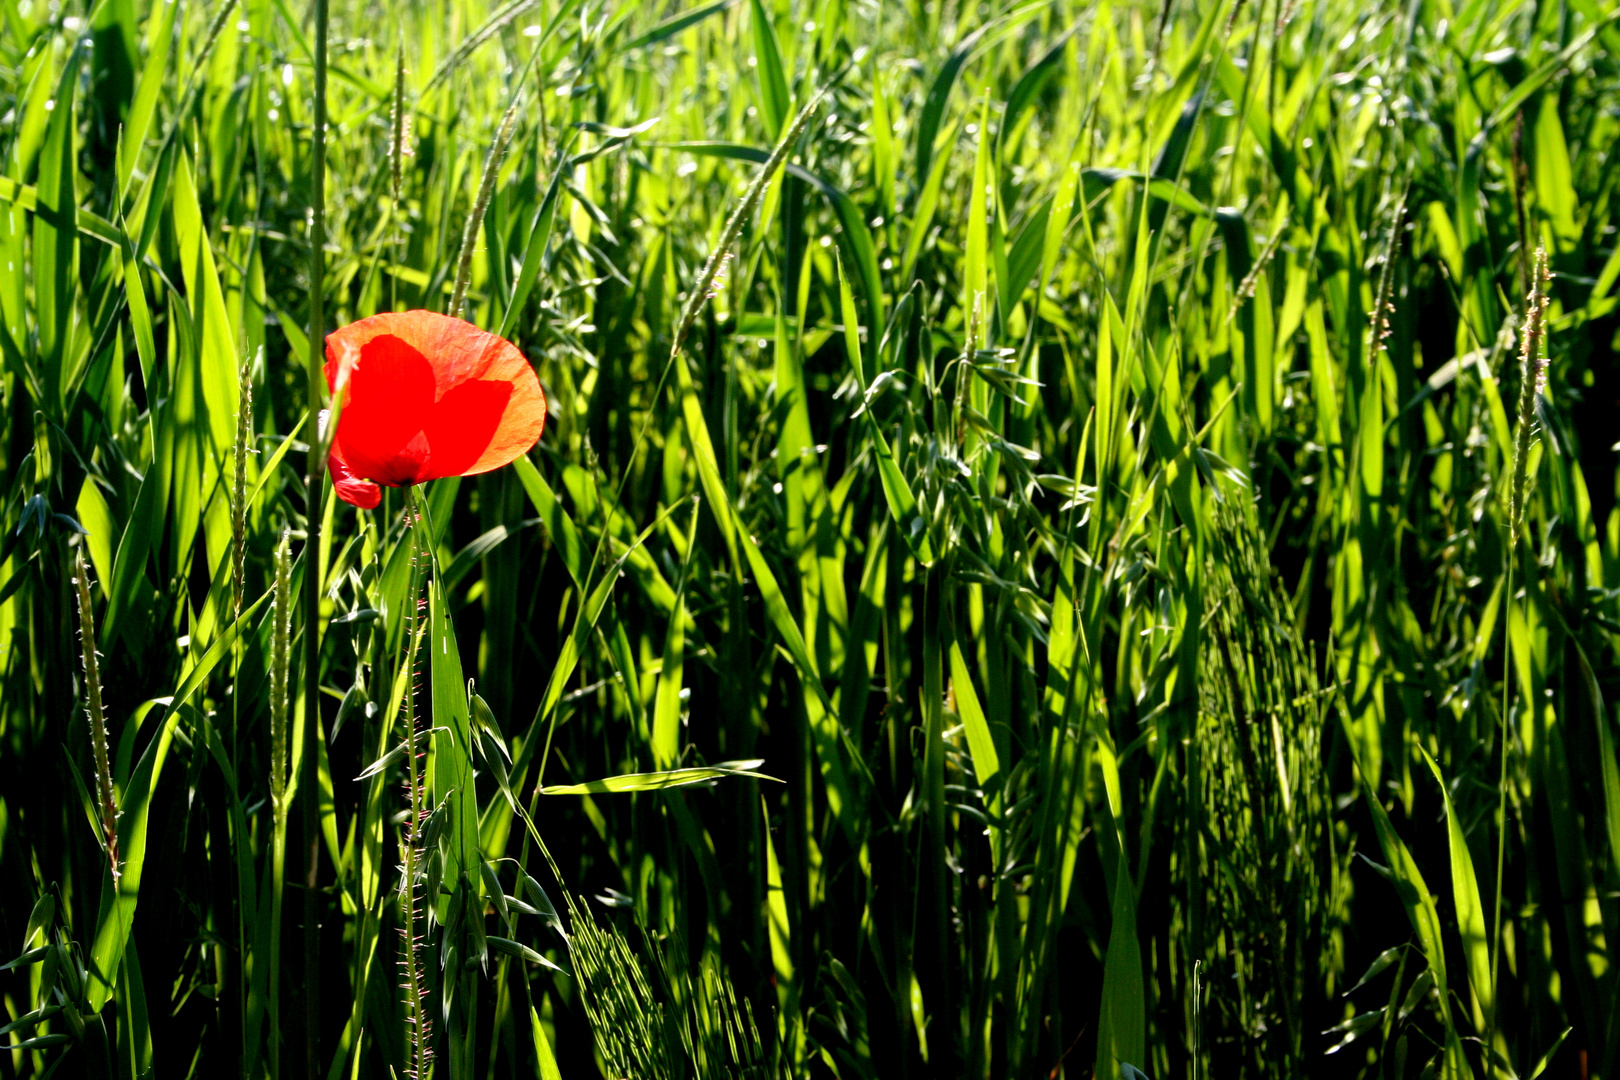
pixel 1420 909
pixel 1545 1059
pixel 1122 1020
pixel 450 764
pixel 939 94
pixel 28 957
pixel 1032 82
pixel 542 1048
pixel 981 206
pixel 216 652
pixel 1470 911
pixel 922 218
pixel 675 24
pixel 56 237
pixel 667 701
pixel 781 931
pixel 981 744
pixel 658 781
pixel 1380 964
pixel 159 38
pixel 776 101
pixel 118 899
pixel 564 534
pixel 522 952
pixel 29 1019
pixel 534 250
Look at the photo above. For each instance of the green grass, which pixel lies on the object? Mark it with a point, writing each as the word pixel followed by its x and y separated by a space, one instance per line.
pixel 1042 605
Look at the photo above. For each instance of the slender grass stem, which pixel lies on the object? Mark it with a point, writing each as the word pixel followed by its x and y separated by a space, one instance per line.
pixel 1533 368
pixel 280 702
pixel 314 487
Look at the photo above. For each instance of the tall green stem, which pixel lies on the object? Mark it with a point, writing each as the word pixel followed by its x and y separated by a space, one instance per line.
pixel 314 482
pixel 1534 366
pixel 280 699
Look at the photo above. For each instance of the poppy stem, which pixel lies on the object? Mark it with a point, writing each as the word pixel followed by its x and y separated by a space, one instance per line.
pixel 412 849
pixel 314 489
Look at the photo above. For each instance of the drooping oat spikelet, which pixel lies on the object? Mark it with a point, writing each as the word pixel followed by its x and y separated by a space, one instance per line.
pixel 105 799
pixel 280 664
pixel 1534 381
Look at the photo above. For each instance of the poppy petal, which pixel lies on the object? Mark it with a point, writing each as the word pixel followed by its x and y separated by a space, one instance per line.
pixel 390 394
pixel 485 406
pixel 521 424
pixel 462 425
pixel 350 488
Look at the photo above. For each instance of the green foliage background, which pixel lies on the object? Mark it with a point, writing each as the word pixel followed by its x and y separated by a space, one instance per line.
pixel 1086 493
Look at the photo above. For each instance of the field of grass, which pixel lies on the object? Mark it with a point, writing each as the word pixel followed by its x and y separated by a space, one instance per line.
pixel 1065 569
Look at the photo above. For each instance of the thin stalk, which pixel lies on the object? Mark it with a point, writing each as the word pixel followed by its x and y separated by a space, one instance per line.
pixel 314 486
pixel 1534 371
pixel 239 500
pixel 280 668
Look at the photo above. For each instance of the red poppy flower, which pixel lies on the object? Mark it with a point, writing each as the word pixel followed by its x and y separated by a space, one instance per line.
pixel 425 396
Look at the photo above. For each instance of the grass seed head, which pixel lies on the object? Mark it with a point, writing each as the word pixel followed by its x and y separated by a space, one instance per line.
pixel 105 797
